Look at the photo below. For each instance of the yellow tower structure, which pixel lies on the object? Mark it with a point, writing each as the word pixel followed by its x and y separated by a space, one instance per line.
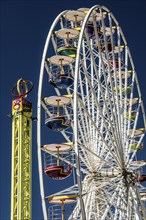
pixel 21 152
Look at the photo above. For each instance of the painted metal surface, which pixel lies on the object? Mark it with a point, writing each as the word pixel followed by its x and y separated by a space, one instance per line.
pixel 21 159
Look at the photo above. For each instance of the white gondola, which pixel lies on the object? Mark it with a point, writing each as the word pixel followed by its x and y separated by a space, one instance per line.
pixel 54 160
pixel 60 70
pixel 55 116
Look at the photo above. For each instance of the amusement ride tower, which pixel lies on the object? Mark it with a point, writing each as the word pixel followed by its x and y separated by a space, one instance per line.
pixel 21 151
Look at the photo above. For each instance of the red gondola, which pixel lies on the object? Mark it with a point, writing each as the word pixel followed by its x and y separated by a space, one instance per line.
pixel 57 172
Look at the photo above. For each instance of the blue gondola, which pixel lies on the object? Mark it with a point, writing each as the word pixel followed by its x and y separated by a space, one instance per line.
pixel 57 123
pixel 62 81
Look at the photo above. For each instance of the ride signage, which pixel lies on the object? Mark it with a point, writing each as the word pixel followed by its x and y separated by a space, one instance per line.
pixel 21 105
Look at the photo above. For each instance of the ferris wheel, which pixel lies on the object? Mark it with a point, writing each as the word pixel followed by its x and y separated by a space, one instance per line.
pixel 97 108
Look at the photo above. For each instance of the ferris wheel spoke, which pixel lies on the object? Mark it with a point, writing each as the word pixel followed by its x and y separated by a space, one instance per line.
pixel 105 102
pixel 115 102
pixel 87 199
pixel 100 112
pixel 75 212
pixel 83 154
pixel 120 80
pixel 66 191
pixel 67 138
pixel 83 97
pixel 91 202
pixel 93 212
pixel 90 206
pixel 135 151
pixel 47 69
pixel 61 22
pixel 137 208
pixel 82 124
pixel 130 107
pixel 85 137
pixel 131 206
pixel 105 156
pixel 95 97
pixel 142 209
pixel 101 159
pixel 135 122
pixel 132 209
pixel 95 126
pixel 126 64
pixel 92 96
pixel 106 199
pixel 78 161
pixel 109 69
pixel 86 121
pixel 86 84
pixel 53 42
pixel 109 202
pixel 84 161
pixel 133 130
pixel 120 211
pixel 125 105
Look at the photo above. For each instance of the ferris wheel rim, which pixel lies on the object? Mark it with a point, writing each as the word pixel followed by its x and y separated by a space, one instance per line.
pixel 39 113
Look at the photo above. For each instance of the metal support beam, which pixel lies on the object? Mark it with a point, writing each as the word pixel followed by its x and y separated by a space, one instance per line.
pixel 21 159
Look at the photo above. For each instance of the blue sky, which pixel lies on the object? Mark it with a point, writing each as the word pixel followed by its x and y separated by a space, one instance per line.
pixel 23 30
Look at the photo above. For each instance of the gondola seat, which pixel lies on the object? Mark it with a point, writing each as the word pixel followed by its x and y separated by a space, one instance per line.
pixel 111 62
pixel 141 179
pixel 133 147
pixel 62 81
pixel 132 117
pixel 123 90
pixel 91 32
pixel 57 172
pixel 57 123
pixel 67 51
pixel 109 47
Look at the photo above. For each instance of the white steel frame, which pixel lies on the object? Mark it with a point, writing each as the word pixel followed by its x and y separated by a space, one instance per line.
pixel 101 132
